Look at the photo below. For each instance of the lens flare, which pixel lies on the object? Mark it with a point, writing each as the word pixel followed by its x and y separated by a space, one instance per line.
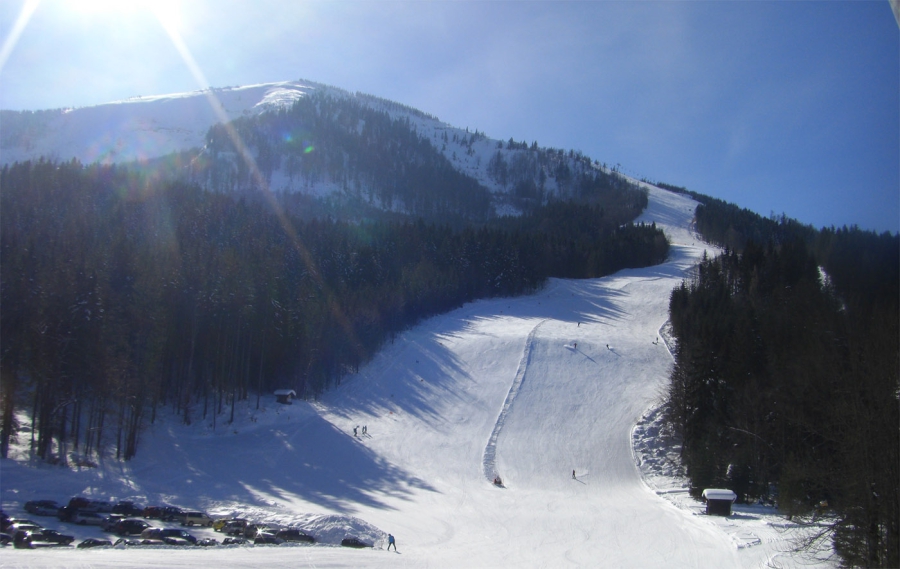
pixel 13 38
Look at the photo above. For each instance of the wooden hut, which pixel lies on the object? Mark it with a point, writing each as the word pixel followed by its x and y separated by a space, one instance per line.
pixel 285 396
pixel 719 501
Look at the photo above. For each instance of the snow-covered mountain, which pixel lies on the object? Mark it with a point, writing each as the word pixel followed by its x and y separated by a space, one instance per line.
pixel 533 389
pixel 148 127
pixel 138 128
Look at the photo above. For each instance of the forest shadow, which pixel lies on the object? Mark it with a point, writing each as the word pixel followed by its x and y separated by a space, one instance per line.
pixel 310 459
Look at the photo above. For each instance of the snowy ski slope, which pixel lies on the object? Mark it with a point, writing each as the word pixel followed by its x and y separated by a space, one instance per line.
pixel 529 388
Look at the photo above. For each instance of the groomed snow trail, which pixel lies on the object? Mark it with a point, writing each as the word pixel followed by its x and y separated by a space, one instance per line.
pixel 490 450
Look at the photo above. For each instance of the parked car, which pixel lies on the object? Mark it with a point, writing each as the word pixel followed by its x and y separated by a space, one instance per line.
pixel 100 506
pixel 42 507
pixel 66 513
pixel 21 524
pixel 196 518
pixel 171 513
pixel 129 542
pixel 152 512
pixel 10 522
pixel 110 521
pixel 130 526
pixel 5 539
pixel 292 534
pixel 163 533
pixel 235 527
pixel 127 509
pixel 265 538
pixel 234 541
pixel 87 518
pixel 252 530
pixel 354 542
pixel 50 536
pixel 93 542
pixel 21 540
pixel 219 523
pixel 79 503
pixel 166 513
pixel 207 542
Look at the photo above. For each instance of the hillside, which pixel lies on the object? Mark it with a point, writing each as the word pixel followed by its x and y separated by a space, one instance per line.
pixel 313 140
pixel 536 386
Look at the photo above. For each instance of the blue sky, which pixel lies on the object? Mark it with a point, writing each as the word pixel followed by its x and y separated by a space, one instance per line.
pixel 779 107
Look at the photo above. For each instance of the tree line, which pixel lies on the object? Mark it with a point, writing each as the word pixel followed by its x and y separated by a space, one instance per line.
pixel 125 291
pixel 785 383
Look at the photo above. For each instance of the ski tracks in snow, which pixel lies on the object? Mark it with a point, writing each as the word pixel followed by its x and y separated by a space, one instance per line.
pixel 489 461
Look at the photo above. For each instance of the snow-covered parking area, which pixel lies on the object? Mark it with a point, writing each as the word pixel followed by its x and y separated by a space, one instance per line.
pixel 530 389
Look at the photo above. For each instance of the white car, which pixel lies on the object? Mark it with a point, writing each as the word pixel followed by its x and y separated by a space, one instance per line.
pixel 88 518
pixel 196 519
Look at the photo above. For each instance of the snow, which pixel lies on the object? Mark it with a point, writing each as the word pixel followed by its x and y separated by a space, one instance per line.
pixel 147 127
pixel 719 494
pixel 141 127
pixel 530 388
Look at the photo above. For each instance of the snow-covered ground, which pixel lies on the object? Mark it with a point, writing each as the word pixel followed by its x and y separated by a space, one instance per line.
pixel 528 388
pixel 141 127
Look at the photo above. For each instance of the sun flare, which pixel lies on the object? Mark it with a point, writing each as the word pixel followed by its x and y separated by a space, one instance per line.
pixel 167 12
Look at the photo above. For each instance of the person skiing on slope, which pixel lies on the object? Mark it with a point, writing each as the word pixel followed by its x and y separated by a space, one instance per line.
pixel 573 475
pixel 391 542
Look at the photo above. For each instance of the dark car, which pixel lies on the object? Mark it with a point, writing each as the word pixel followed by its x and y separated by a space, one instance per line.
pixel 234 541
pixel 79 503
pixel 234 527
pixel 93 542
pixel 50 536
pixel 164 533
pixel 265 538
pixel 66 513
pixel 42 507
pixel 354 542
pixel 21 540
pixel 152 512
pixel 171 513
pixel 99 506
pixel 253 530
pixel 291 534
pixel 130 526
pixel 129 542
pixel 127 509
pixel 110 521
pixel 5 539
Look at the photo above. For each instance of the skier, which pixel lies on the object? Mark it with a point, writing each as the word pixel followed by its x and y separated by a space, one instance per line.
pixel 573 475
pixel 354 431
pixel 391 542
pixel 575 346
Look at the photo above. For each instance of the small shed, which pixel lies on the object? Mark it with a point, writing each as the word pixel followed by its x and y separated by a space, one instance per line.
pixel 285 396
pixel 719 501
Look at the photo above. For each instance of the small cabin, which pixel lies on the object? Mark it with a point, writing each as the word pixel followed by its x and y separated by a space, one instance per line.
pixel 718 501
pixel 285 396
